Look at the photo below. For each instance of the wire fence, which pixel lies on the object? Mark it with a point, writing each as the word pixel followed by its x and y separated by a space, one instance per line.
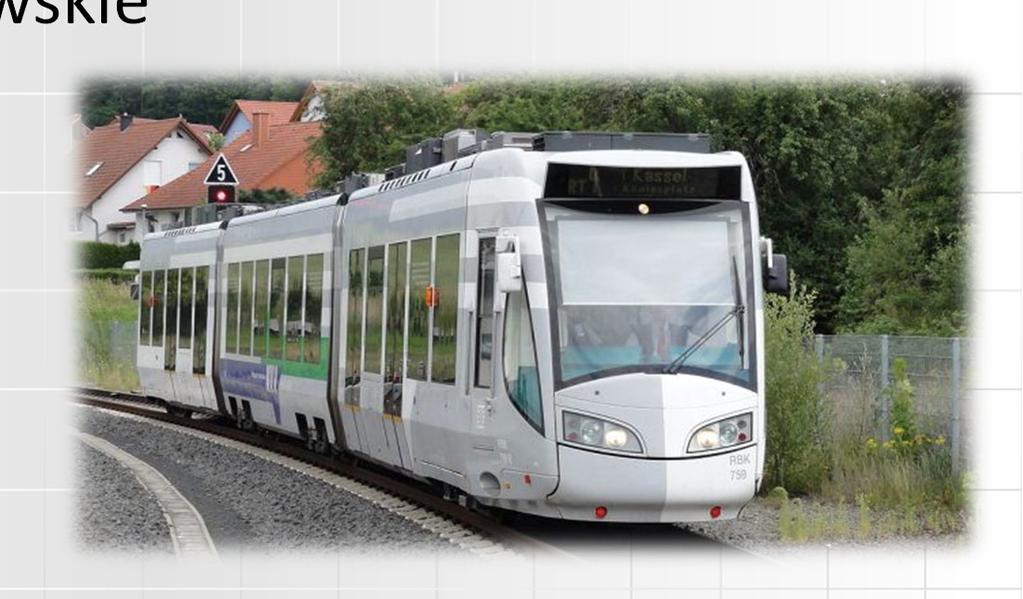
pixel 861 368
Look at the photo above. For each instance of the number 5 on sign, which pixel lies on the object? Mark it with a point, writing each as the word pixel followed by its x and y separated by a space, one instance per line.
pixel 221 173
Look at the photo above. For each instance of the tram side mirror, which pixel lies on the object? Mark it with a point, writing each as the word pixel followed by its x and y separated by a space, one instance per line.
pixel 508 265
pixel 776 279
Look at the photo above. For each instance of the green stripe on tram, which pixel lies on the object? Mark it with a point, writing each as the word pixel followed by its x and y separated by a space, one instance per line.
pixel 305 370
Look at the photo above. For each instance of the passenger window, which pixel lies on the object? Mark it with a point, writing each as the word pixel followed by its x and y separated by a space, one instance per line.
pixel 201 297
pixel 353 359
pixel 520 373
pixel 261 315
pixel 313 308
pixel 374 310
pixel 245 313
pixel 185 311
pixel 418 310
pixel 396 268
pixel 294 319
pixel 275 326
pixel 231 322
pixel 171 349
pixel 146 309
pixel 445 311
pixel 485 313
pixel 158 278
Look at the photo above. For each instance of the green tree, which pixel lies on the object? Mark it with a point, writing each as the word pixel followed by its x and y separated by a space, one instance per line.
pixel 370 123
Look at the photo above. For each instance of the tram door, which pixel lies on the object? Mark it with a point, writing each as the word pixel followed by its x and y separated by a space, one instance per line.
pixel 394 410
pixel 481 365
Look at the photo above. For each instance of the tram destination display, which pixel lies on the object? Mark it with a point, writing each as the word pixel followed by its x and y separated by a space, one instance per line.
pixel 586 181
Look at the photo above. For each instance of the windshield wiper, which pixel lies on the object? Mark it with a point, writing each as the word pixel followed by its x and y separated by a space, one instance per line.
pixel 736 312
pixel 678 362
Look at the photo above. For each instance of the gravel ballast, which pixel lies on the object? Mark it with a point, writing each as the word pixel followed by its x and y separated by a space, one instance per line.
pixel 247 501
pixel 115 512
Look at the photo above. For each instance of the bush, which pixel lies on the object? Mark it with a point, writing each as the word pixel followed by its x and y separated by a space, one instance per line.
pixel 113 275
pixel 93 254
pixel 798 432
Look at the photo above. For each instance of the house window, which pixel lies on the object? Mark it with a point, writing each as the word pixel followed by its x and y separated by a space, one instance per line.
pixel 152 173
pixel 120 238
pixel 92 170
pixel 193 165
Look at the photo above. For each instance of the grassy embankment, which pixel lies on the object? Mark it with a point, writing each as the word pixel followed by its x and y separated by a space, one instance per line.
pixel 107 317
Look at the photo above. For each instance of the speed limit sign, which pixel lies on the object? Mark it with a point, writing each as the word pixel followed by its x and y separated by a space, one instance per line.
pixel 221 173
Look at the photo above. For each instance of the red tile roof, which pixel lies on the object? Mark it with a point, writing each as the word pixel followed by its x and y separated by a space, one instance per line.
pixel 280 112
pixel 119 151
pixel 205 130
pixel 256 168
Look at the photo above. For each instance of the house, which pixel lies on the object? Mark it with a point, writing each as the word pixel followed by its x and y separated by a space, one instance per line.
pixel 124 160
pixel 206 131
pixel 266 157
pixel 310 106
pixel 239 117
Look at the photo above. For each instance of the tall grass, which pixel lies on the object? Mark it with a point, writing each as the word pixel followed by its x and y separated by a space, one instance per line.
pixel 104 307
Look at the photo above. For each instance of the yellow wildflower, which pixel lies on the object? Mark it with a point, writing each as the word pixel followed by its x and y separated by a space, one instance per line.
pixel 898 430
pixel 939 440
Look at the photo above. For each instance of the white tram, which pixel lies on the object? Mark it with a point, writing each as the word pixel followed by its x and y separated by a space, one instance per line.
pixel 553 329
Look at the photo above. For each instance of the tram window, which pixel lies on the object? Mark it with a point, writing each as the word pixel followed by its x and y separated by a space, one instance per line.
pixel 418 310
pixel 233 274
pixel 171 349
pixel 185 311
pixel 201 298
pixel 396 263
pixel 158 278
pixel 293 319
pixel 313 307
pixel 275 326
pixel 353 359
pixel 146 310
pixel 374 310
pixel 259 318
pixel 445 311
pixel 485 313
pixel 520 373
pixel 245 317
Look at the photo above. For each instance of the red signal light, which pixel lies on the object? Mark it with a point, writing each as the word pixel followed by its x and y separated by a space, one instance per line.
pixel 600 512
pixel 220 194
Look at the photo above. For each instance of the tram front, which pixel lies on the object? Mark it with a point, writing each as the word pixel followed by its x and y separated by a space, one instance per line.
pixel 654 267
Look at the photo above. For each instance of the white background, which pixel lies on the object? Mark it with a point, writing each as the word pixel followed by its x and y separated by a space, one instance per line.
pixel 40 67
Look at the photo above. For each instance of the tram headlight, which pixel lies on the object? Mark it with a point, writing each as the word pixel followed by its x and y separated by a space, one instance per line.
pixel 736 430
pixel 595 432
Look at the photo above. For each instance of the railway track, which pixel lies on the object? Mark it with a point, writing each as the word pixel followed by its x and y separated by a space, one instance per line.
pixel 473 531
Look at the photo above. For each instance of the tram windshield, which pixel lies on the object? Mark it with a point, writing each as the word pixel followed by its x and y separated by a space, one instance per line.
pixel 642 287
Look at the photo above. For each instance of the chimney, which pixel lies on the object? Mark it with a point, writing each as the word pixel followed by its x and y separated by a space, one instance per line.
pixel 126 120
pixel 260 128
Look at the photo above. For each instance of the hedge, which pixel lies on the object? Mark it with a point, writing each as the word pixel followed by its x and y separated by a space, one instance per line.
pixel 114 275
pixel 93 254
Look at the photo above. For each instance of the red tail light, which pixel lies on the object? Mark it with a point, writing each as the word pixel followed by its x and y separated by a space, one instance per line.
pixel 715 511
